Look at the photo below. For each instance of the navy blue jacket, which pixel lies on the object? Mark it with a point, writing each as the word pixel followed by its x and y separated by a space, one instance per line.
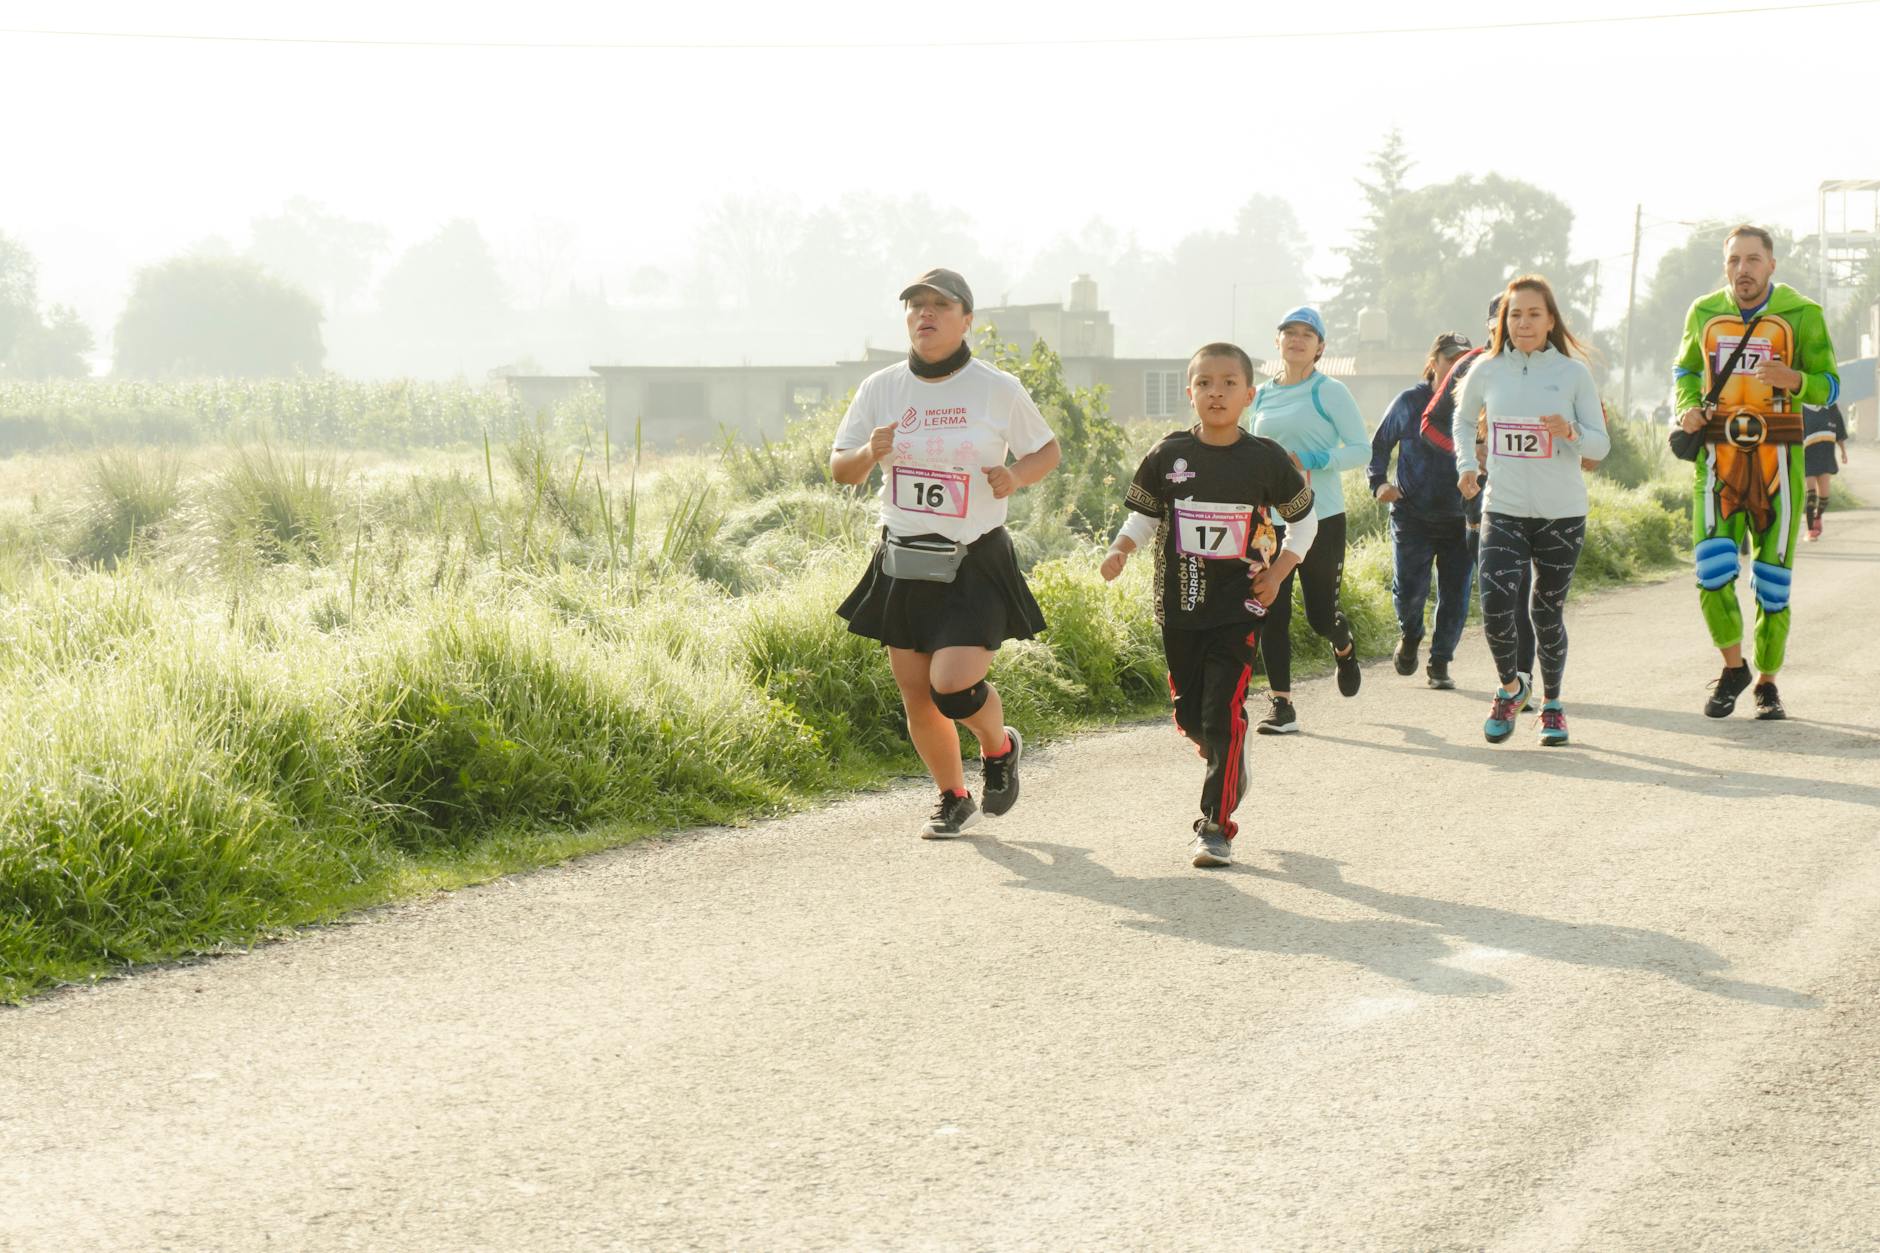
pixel 1425 475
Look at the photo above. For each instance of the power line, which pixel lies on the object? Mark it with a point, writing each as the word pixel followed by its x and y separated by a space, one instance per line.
pixel 877 45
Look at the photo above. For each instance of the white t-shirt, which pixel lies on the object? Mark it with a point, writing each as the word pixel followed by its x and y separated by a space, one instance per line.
pixel 948 431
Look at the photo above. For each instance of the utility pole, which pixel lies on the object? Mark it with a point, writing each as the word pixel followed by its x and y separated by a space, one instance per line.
pixel 1631 305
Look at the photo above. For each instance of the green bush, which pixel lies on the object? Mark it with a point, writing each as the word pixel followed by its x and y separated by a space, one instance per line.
pixel 1639 452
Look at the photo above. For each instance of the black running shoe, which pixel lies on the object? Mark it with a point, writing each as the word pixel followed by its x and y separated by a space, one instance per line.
pixel 1280 718
pixel 1437 672
pixel 1725 690
pixel 952 815
pixel 1000 789
pixel 1349 676
pixel 1211 846
pixel 1769 703
pixel 1405 658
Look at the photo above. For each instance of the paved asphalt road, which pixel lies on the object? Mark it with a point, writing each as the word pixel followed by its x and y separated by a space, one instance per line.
pixel 1621 995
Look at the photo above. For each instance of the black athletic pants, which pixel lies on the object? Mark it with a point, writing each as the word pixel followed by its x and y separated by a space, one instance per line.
pixel 1511 546
pixel 1523 624
pixel 1319 575
pixel 1208 672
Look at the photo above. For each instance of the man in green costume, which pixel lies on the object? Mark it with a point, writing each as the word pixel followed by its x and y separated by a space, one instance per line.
pixel 1745 433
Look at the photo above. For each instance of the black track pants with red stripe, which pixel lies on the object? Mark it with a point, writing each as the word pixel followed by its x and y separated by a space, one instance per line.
pixel 1208 673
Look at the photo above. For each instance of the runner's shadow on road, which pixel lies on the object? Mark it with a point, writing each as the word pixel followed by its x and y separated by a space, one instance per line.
pixel 1608 765
pixel 1580 944
pixel 1818 739
pixel 1213 908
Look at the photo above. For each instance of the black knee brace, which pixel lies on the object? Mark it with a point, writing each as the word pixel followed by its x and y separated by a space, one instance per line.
pixel 964 703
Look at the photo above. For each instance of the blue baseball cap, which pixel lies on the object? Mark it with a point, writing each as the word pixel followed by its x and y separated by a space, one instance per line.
pixel 1305 315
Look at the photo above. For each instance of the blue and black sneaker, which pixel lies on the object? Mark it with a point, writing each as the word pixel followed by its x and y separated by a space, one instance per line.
pixel 1553 724
pixel 1502 711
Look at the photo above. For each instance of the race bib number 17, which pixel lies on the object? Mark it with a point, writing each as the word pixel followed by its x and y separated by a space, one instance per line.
pixel 1523 439
pixel 1755 353
pixel 921 489
pixel 1212 532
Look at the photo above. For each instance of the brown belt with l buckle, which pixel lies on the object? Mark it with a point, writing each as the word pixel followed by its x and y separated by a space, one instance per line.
pixel 1745 428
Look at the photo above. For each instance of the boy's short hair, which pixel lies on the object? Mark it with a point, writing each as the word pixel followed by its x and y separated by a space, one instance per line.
pixel 1223 349
pixel 1755 232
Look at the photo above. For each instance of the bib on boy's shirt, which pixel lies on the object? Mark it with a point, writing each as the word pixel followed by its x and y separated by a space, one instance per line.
pixel 1210 531
pixel 946 434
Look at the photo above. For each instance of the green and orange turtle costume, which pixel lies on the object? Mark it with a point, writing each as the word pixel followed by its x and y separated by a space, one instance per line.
pixel 1749 482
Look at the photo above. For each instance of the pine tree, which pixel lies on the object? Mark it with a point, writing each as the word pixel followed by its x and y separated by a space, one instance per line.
pixel 1367 257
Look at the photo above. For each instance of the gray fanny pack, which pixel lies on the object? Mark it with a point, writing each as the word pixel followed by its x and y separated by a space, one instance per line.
pixel 928 560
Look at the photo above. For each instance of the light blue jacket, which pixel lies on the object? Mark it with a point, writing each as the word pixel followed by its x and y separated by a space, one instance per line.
pixel 1530 473
pixel 1318 422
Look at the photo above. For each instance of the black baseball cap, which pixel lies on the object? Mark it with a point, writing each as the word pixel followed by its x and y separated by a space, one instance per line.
pixel 1494 307
pixel 1449 343
pixel 947 282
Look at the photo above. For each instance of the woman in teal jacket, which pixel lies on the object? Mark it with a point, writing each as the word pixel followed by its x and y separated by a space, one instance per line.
pixel 1316 419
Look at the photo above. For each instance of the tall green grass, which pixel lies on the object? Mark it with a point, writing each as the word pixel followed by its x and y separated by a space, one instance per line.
pixel 314 685
pixel 127 494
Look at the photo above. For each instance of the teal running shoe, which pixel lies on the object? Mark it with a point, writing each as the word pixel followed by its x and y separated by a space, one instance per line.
pixel 1553 724
pixel 1502 711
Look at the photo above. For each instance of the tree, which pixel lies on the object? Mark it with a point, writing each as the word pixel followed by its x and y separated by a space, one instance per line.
pixel 747 244
pixel 19 293
pixel 1367 257
pixel 1211 285
pixel 446 289
pixel 29 346
pixel 858 253
pixel 1451 246
pixel 1692 269
pixel 1431 257
pixel 55 348
pixel 197 315
pixel 330 256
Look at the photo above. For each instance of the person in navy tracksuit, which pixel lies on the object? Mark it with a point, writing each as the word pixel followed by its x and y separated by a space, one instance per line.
pixel 1428 521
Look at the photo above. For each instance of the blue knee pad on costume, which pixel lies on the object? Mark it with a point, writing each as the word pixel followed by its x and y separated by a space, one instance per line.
pixel 1716 563
pixel 964 703
pixel 1772 586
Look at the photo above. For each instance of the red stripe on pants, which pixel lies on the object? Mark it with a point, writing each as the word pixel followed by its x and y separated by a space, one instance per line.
pixel 1230 780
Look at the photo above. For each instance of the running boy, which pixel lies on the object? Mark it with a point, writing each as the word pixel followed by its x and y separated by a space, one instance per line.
pixel 1203 495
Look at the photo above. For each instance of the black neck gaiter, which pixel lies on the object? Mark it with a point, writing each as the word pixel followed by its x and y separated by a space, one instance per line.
pixel 939 369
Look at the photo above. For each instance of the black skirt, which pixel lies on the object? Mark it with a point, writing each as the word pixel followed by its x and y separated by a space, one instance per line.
pixel 1821 458
pixel 986 604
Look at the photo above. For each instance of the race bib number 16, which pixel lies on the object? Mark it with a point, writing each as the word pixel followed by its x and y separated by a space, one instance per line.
pixel 921 489
pixel 1523 439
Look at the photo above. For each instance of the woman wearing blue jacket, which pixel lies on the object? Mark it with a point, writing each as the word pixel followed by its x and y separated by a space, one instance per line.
pixel 1316 419
pixel 1543 417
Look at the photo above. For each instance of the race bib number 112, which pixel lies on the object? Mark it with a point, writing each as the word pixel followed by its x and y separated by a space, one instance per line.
pixel 1523 439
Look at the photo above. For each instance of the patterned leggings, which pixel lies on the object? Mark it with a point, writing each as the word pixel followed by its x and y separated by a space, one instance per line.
pixel 1509 545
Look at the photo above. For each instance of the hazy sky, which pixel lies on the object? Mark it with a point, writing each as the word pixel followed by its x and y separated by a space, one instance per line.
pixel 122 151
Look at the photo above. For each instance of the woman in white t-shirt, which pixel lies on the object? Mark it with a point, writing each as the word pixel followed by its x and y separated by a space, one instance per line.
pixel 943 590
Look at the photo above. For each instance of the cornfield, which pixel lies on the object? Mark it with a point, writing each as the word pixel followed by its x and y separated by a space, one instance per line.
pixel 327 410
